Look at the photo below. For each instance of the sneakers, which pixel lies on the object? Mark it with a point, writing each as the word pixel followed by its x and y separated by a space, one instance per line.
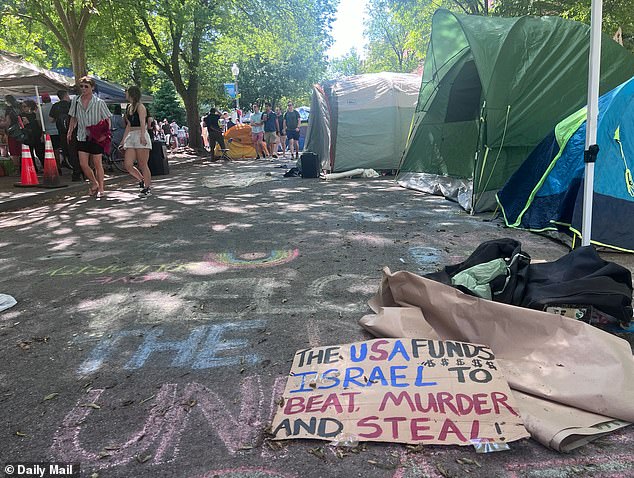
pixel 141 185
pixel 145 192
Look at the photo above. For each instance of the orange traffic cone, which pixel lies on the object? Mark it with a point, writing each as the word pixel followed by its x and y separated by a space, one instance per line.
pixel 28 177
pixel 51 177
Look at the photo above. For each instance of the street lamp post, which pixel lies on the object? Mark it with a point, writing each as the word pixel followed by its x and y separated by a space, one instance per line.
pixel 236 71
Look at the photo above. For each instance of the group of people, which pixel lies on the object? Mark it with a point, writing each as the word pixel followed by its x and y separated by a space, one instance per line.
pixel 269 129
pixel 83 129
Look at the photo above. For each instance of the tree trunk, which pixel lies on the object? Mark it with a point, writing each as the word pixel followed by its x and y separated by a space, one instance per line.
pixel 193 119
pixel 78 58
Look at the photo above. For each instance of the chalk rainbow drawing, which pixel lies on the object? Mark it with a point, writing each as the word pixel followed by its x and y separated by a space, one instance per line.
pixel 252 260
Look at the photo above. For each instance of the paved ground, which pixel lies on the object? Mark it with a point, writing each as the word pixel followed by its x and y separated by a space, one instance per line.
pixel 152 337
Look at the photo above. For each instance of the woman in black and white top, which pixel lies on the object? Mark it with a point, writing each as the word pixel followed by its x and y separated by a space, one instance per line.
pixel 88 110
pixel 136 141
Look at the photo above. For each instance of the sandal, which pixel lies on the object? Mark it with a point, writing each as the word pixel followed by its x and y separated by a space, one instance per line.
pixel 92 190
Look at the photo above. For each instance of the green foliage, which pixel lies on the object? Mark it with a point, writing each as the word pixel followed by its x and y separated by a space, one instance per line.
pixel 616 13
pixel 347 65
pixel 166 104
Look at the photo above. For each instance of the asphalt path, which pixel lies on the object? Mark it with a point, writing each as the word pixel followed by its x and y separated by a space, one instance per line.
pixel 153 337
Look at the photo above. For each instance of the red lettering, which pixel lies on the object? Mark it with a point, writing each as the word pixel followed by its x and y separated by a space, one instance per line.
pixel 350 396
pixel 332 401
pixel 475 430
pixel 376 348
pixel 367 422
pixel 450 427
pixel 396 400
pixel 445 400
pixel 294 405
pixel 416 428
pixel 394 421
pixel 479 401
pixel 431 403
pixel 501 398
pixel 464 403
pixel 313 404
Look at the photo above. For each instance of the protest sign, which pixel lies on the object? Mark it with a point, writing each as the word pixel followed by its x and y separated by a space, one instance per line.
pixel 398 390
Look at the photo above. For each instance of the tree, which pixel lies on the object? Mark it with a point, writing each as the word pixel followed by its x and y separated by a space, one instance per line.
pixel 347 65
pixel 66 20
pixel 166 104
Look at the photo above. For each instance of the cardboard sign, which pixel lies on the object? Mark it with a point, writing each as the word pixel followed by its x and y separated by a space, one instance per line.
pixel 398 390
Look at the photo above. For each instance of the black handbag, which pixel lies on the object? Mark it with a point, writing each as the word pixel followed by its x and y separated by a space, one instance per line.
pixel 18 133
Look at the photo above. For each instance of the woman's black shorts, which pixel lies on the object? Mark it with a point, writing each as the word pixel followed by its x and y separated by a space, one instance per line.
pixel 89 147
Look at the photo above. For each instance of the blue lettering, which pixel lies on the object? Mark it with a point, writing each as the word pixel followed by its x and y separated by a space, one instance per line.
pixel 394 376
pixel 302 386
pixel 348 379
pixel 419 378
pixel 362 354
pixel 334 378
pixel 398 348
pixel 377 375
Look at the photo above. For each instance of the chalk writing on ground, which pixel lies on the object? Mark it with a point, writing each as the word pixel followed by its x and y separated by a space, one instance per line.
pixel 212 263
pixel 207 346
pixel 172 410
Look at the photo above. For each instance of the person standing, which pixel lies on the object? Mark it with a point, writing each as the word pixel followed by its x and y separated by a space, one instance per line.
pixel 165 126
pixel 214 133
pixel 12 118
pixel 292 123
pixel 279 117
pixel 270 129
pixel 257 132
pixel 59 112
pixel 50 127
pixel 88 110
pixel 136 141
pixel 117 125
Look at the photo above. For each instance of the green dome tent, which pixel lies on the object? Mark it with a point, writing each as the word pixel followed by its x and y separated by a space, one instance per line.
pixel 492 89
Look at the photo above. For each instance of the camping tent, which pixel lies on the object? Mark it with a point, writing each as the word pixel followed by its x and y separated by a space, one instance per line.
pixel 546 192
pixel 20 78
pixel 361 121
pixel 492 89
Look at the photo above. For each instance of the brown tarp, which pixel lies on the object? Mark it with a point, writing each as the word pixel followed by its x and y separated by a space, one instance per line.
pixel 572 382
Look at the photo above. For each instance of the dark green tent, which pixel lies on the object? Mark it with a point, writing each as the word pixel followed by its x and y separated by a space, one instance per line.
pixel 492 89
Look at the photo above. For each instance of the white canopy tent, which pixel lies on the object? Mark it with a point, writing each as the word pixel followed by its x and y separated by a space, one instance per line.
pixel 18 77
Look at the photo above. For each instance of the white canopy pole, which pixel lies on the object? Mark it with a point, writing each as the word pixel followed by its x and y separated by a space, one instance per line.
pixel 592 149
pixel 39 108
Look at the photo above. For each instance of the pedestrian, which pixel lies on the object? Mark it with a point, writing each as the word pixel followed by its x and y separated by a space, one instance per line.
pixel 136 141
pixel 270 129
pixel 28 112
pixel 174 133
pixel 257 132
pixel 60 112
pixel 12 122
pixel 280 126
pixel 214 133
pixel 165 126
pixel 292 122
pixel 50 127
pixel 88 110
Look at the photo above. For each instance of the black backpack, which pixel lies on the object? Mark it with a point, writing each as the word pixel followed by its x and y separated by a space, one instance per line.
pixel 60 111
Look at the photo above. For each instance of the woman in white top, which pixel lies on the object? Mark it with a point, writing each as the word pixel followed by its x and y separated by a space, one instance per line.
pixel 136 141
pixel 87 110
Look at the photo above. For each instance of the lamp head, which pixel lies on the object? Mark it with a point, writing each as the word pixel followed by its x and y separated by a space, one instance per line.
pixel 235 71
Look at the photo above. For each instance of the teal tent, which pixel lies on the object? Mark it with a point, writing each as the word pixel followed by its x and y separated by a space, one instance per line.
pixel 546 192
pixel 492 89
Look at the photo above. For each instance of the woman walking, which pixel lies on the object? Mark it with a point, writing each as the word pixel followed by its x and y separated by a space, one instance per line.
pixel 136 141
pixel 89 112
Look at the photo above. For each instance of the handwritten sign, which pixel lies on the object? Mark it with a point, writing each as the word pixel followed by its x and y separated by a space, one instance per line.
pixel 398 390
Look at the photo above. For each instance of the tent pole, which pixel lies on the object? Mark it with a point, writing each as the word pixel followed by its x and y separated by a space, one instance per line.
pixel 592 149
pixel 39 108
